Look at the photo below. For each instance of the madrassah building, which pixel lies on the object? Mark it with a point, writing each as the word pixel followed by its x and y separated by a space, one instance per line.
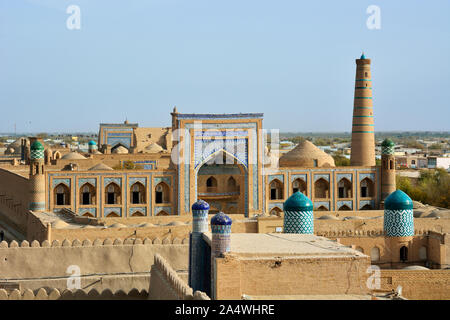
pixel 221 158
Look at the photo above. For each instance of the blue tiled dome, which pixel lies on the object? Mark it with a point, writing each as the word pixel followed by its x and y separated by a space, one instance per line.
pixel 363 56
pixel 398 200
pixel 298 202
pixel 200 205
pixel 221 219
pixel 92 143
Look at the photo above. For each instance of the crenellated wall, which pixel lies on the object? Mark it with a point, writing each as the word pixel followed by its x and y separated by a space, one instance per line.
pixel 114 264
pixel 89 294
pixel 165 284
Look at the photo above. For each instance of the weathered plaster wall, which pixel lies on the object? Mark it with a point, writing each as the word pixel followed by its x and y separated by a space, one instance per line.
pixel 290 276
pixel 122 266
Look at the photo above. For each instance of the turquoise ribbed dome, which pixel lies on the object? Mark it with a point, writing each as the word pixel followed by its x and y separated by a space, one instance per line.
pixel 298 202
pixel 36 146
pixel 92 143
pixel 398 200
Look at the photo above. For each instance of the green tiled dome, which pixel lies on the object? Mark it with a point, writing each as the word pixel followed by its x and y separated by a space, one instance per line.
pixel 298 202
pixel 36 151
pixel 37 146
pixel 388 143
pixel 387 146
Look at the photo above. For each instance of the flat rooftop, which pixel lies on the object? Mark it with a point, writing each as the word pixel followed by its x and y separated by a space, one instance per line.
pixel 286 244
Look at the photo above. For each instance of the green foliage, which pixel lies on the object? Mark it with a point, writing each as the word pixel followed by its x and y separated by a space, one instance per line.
pixel 410 143
pixel 340 160
pixel 432 187
pixel 435 146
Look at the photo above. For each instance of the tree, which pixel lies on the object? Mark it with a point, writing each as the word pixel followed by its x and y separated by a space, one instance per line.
pixel 340 160
pixel 432 187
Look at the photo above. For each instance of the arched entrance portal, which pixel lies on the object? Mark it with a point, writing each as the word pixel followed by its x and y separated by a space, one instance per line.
pixel 221 181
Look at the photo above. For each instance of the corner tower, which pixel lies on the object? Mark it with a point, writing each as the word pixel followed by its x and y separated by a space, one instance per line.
pixel 37 176
pixel 363 139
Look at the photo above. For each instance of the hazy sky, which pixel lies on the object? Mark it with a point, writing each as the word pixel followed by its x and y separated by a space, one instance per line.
pixel 292 60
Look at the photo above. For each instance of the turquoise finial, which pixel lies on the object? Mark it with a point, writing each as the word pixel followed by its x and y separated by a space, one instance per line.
pixel 363 56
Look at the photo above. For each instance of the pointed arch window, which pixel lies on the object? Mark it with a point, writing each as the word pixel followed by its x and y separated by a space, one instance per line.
pixel 137 192
pixel 87 194
pixel 62 195
pixel 113 194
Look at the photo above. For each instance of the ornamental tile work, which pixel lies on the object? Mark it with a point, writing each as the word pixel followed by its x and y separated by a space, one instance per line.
pixel 221 240
pixel 278 205
pixel 362 203
pixel 82 181
pixel 298 222
pixel 65 181
pixel 143 210
pixel 37 154
pixel 205 149
pixel 166 180
pixel 326 177
pixel 347 203
pixel 159 209
pixel 318 204
pixel 399 223
pixel 142 180
pixel 299 176
pixel 200 220
pixel 279 177
pixel 347 176
pixel 117 181
pixel 362 176
pixel 92 211
pixel 107 211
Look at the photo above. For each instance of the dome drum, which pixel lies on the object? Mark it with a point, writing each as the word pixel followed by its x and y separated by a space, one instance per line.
pixel 298 214
pixel 398 215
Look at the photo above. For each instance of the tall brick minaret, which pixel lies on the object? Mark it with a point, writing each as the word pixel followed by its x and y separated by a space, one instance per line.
pixel 363 138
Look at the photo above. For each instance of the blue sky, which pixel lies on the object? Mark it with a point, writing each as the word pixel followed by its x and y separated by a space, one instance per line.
pixel 290 59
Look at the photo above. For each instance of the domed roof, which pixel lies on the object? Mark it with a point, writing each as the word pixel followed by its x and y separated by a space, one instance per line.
pixel 100 166
pixel 73 156
pixel 306 154
pixel 298 202
pixel 120 149
pixel 36 146
pixel 387 146
pixel 221 219
pixel 387 143
pixel 398 200
pixel 363 56
pixel 153 148
pixel 92 143
pixel 200 205
pixel 15 147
